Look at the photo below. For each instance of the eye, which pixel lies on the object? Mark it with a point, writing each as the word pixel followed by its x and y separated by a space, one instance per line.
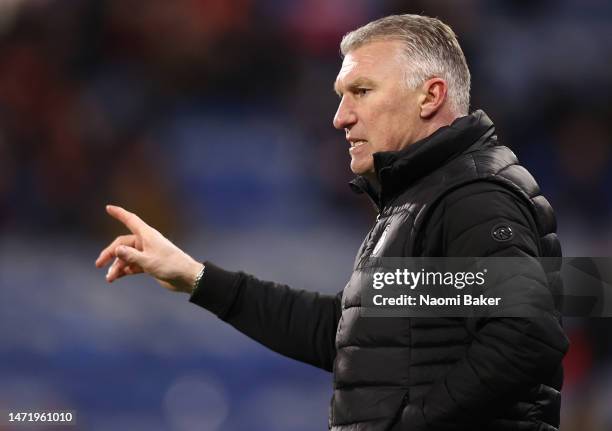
pixel 361 91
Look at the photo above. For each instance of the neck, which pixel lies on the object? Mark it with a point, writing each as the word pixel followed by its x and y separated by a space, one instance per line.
pixel 437 121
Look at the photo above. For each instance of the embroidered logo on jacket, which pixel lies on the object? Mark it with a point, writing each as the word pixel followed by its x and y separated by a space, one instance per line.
pixel 502 233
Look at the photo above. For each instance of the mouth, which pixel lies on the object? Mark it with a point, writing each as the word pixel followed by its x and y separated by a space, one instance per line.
pixel 357 142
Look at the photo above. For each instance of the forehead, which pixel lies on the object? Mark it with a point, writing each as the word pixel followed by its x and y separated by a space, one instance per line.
pixel 374 61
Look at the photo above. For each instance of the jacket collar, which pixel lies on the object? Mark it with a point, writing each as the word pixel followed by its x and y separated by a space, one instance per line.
pixel 397 170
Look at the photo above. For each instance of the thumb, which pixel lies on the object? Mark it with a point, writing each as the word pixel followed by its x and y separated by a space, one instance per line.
pixel 130 255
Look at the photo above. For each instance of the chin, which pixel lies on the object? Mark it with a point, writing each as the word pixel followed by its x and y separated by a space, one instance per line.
pixel 362 167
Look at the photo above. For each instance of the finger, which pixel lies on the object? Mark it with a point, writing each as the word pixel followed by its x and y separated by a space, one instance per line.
pixel 121 268
pixel 131 255
pixel 125 268
pixel 130 220
pixel 132 269
pixel 108 253
pixel 113 270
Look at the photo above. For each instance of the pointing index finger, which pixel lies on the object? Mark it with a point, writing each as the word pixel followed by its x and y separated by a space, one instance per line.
pixel 130 220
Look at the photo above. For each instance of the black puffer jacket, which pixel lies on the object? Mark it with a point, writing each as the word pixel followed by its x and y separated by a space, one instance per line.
pixel 439 197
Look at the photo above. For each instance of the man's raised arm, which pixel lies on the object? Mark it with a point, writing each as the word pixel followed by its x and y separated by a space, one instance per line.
pixel 295 323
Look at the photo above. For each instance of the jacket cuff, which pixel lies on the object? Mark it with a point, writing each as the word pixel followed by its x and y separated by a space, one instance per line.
pixel 217 290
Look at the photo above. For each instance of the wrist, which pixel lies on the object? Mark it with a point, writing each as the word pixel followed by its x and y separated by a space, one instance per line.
pixel 198 277
pixel 191 277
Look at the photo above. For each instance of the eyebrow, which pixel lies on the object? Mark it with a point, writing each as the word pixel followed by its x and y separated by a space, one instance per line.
pixel 355 84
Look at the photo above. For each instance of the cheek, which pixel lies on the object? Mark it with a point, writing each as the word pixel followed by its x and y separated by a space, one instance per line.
pixel 401 122
pixel 389 124
pixel 380 116
pixel 388 119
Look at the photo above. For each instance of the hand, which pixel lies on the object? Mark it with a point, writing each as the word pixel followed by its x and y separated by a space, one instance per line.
pixel 147 250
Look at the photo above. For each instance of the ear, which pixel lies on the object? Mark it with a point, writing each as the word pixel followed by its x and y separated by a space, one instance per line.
pixel 433 96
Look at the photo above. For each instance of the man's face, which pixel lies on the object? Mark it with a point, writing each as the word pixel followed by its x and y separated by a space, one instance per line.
pixel 377 110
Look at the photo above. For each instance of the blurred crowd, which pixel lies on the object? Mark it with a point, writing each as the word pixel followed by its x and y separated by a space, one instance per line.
pixel 215 115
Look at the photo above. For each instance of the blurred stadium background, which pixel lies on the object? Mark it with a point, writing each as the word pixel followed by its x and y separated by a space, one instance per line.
pixel 212 120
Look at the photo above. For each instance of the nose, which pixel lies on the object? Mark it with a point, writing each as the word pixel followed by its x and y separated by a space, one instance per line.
pixel 345 115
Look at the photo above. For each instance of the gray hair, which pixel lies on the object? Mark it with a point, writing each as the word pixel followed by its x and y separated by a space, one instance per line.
pixel 431 48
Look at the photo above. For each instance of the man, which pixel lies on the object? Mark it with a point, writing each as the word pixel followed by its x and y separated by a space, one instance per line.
pixel 444 187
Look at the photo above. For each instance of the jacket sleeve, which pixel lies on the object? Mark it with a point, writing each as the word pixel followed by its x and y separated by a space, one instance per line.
pixel 295 323
pixel 507 355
